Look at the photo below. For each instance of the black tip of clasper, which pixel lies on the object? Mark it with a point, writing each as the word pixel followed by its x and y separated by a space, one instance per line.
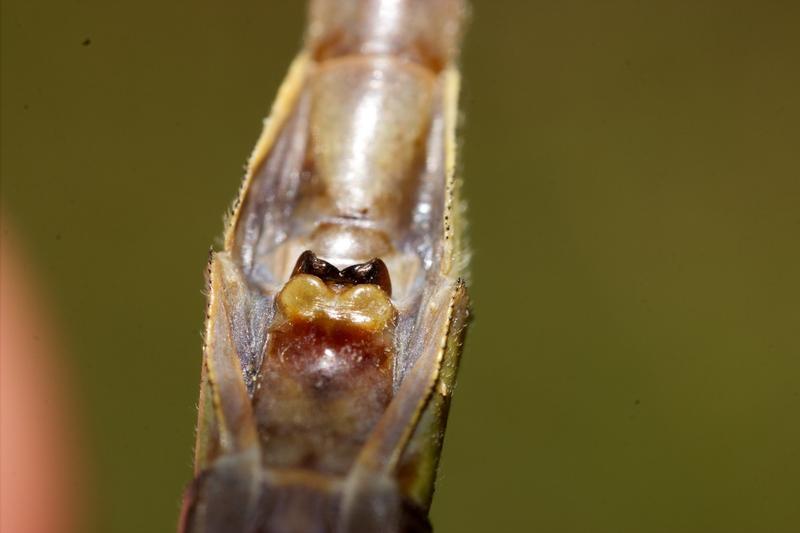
pixel 372 272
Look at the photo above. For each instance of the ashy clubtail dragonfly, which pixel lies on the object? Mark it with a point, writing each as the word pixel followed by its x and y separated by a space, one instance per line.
pixel 337 307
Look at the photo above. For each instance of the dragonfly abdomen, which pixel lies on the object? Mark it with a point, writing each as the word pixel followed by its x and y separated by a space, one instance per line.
pixel 336 309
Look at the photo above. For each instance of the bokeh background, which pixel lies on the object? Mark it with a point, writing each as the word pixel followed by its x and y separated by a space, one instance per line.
pixel 633 176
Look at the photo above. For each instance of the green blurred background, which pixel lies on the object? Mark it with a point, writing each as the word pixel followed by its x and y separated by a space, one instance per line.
pixel 633 176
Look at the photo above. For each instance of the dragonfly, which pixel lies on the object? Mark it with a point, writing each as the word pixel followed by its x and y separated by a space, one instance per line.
pixel 337 306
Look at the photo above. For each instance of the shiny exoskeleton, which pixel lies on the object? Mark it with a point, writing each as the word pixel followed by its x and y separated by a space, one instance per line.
pixel 336 308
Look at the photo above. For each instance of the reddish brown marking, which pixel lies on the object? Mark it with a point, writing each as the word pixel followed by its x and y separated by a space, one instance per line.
pixel 324 384
pixel 337 353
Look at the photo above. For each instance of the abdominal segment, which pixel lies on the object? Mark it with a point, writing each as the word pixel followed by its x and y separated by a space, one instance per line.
pixel 327 372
